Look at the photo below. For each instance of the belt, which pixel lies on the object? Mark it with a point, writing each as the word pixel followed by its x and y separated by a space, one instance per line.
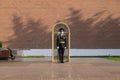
pixel 61 42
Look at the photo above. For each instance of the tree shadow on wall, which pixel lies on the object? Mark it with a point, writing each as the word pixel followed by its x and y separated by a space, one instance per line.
pixel 89 34
pixel 29 35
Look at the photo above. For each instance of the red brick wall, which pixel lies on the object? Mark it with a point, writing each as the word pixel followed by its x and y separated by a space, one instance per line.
pixel 28 23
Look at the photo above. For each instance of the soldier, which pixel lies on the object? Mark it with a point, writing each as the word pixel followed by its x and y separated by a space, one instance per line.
pixel 61 44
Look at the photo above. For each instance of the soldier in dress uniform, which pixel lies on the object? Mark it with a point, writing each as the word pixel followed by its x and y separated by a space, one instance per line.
pixel 61 44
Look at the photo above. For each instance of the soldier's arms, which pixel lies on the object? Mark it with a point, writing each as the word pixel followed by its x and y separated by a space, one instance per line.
pixel 57 41
pixel 65 42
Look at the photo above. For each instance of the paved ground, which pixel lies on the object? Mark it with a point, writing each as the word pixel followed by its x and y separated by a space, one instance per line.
pixel 43 69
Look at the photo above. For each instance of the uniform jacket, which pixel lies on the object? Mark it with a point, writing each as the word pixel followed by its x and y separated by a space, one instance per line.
pixel 61 41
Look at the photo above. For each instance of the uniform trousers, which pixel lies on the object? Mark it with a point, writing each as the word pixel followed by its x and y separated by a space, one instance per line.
pixel 61 54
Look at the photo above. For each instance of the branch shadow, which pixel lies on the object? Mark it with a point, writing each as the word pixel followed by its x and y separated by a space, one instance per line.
pixel 104 34
pixel 85 34
pixel 29 35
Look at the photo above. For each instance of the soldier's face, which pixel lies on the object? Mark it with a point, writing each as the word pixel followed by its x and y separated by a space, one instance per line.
pixel 62 32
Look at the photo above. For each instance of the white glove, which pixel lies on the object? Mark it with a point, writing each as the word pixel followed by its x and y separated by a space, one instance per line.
pixel 57 47
pixel 65 47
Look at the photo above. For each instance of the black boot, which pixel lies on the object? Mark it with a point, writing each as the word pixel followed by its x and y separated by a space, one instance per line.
pixel 62 61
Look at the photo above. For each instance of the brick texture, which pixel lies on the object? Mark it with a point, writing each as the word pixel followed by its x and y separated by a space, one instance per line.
pixel 28 23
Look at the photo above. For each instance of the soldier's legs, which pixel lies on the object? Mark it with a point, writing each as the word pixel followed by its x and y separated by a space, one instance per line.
pixel 62 58
pixel 60 54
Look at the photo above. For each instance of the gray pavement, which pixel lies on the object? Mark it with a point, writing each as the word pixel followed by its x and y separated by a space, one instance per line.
pixel 43 69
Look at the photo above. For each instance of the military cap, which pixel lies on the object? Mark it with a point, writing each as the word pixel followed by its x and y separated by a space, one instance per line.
pixel 61 29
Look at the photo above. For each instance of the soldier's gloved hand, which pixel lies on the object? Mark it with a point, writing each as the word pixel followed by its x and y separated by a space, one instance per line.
pixel 57 47
pixel 65 47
